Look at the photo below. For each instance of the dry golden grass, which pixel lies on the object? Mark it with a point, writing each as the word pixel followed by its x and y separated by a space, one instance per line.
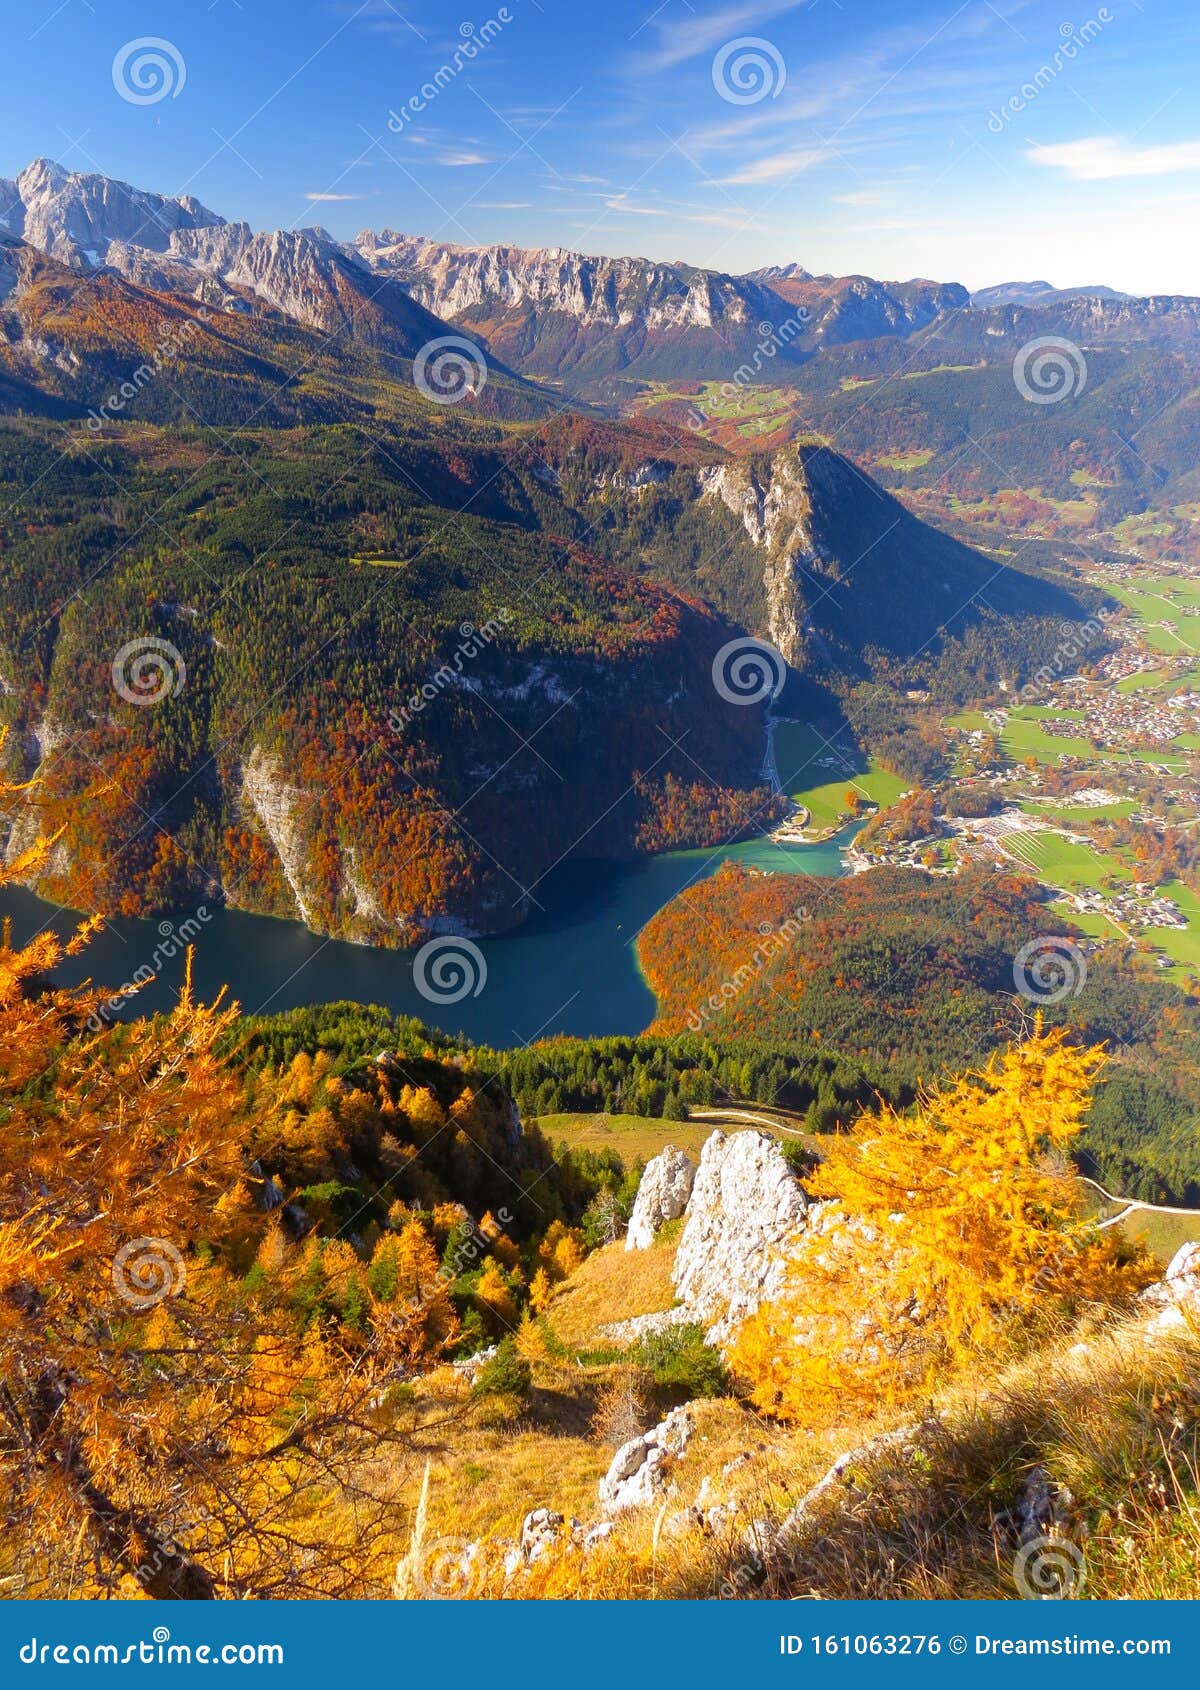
pixel 613 1284
pixel 484 1482
pixel 1116 1424
pixel 633 1137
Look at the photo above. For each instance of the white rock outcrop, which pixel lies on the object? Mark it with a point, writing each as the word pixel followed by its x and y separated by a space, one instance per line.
pixel 662 1196
pixel 747 1210
pixel 280 808
pixel 640 1471
pixel 1176 1296
pixel 644 1325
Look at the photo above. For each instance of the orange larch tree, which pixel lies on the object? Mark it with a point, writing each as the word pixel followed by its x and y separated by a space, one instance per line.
pixel 949 1227
pixel 163 1431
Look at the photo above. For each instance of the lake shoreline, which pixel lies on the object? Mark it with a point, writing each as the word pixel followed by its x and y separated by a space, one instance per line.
pixel 572 968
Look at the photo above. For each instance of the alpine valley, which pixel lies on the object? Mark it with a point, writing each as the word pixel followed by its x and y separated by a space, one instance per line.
pixel 692 783
pixel 213 438
pixel 290 631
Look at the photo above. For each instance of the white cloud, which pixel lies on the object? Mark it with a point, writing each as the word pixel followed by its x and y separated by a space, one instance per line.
pixel 683 38
pixel 332 197
pixel 1099 158
pixel 456 160
pixel 674 213
pixel 776 166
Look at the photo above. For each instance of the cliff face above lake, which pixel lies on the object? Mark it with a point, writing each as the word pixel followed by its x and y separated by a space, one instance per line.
pixel 307 747
pixel 384 679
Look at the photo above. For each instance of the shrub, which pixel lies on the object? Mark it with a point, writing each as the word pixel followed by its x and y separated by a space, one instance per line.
pixel 506 1374
pixel 681 1363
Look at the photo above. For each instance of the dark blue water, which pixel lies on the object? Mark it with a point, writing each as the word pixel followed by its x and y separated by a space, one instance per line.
pixel 571 969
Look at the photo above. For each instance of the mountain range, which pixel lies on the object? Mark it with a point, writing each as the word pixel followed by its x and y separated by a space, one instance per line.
pixel 1037 293
pixel 252 479
pixel 552 314
pixel 914 379
pixel 550 311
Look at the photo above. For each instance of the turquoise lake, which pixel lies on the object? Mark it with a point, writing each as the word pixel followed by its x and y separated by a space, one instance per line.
pixel 572 968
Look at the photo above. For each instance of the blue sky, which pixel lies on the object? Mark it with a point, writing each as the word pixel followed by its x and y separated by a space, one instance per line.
pixel 976 141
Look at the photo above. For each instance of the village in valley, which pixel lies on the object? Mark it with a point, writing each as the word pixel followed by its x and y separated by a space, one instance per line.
pixel 1088 780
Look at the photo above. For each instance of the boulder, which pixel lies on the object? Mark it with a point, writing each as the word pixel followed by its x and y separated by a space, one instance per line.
pixel 539 1530
pixel 644 1325
pixel 1183 1273
pixel 662 1196
pixel 470 1367
pixel 745 1214
pixel 1176 1296
pixel 640 1470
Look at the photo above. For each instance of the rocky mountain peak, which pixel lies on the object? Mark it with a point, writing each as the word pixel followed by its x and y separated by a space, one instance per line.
pixel 76 217
pixel 781 273
pixel 41 176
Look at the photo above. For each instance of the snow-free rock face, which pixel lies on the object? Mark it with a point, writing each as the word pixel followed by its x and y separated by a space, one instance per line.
pixel 775 508
pixel 74 216
pixel 1176 1296
pixel 640 1470
pixel 662 1196
pixel 549 310
pixel 299 272
pixel 746 1211
pixel 605 292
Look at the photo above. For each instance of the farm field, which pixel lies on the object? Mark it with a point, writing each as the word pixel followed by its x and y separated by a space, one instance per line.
pixel 905 461
pixel 1091 922
pixel 1147 680
pixel 1074 815
pixel 1181 944
pixel 741 411
pixel 1168 608
pixel 801 757
pixel 1025 735
pixel 1065 862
